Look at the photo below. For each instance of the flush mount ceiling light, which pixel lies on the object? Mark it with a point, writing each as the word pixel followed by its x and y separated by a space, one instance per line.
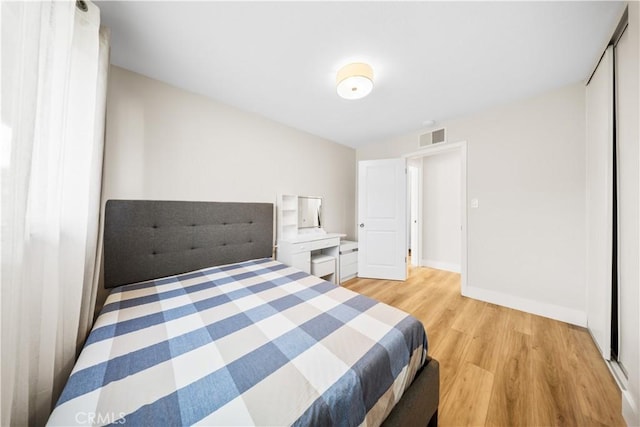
pixel 354 81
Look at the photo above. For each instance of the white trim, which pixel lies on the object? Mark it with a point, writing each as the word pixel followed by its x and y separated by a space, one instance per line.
pixel 431 151
pixel 441 265
pixel 552 311
pixel 630 409
pixel 463 197
pixel 618 373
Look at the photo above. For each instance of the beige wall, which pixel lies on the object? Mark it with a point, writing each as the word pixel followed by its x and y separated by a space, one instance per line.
pixel 526 167
pixel 165 143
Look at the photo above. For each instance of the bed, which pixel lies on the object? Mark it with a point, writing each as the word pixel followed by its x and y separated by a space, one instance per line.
pixel 203 327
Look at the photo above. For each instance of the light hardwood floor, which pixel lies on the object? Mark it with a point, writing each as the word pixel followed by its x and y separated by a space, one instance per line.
pixel 502 367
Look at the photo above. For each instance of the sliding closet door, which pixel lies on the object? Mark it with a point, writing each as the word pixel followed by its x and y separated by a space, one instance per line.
pixel 599 200
pixel 627 87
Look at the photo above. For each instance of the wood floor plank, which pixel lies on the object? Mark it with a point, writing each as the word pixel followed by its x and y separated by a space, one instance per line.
pixel 503 367
pixel 522 322
pixel 473 310
pixel 595 382
pixel 553 387
pixel 488 340
pixel 450 352
pixel 511 398
pixel 471 391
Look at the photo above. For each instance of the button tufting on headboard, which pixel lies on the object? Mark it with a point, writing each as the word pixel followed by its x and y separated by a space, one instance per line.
pixel 138 230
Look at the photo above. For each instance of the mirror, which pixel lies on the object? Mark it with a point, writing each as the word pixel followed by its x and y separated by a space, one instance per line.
pixel 309 212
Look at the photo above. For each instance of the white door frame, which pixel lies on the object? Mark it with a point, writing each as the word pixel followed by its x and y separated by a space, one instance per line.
pixel 415 196
pixel 433 150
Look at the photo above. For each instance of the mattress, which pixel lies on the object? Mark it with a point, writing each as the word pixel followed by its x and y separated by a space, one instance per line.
pixel 252 343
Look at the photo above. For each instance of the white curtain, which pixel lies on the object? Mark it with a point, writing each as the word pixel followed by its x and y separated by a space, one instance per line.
pixel 54 68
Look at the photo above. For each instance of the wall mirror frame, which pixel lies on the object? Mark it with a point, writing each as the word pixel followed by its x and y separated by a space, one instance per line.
pixel 309 212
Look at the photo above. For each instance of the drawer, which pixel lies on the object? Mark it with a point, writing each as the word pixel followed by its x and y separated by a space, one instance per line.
pixel 324 243
pixel 348 270
pixel 323 266
pixel 347 259
pixel 300 247
pixel 348 245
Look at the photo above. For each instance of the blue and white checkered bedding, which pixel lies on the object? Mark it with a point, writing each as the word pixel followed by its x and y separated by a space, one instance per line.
pixel 253 343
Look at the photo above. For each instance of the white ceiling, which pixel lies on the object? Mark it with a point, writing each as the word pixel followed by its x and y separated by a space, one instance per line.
pixel 431 60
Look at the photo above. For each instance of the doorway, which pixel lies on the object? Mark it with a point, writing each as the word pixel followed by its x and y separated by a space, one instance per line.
pixel 437 211
pixel 414 170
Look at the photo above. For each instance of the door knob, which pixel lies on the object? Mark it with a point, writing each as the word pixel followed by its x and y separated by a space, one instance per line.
pixel 362 225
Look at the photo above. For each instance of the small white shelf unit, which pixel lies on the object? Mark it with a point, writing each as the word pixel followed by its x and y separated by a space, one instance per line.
pixel 287 217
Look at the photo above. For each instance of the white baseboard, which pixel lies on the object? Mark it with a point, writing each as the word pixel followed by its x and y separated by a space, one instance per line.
pixel 440 265
pixel 556 312
pixel 630 409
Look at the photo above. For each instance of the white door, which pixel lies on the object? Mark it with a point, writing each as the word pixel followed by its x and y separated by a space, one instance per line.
pixel 627 134
pixel 599 103
pixel 382 212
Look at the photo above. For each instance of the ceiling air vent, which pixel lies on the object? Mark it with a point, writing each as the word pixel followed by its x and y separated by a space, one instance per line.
pixel 433 137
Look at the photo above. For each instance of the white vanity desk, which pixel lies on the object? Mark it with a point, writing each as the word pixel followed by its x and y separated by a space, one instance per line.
pixel 303 243
pixel 314 253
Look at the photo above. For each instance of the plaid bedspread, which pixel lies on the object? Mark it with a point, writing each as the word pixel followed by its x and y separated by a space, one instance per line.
pixel 253 343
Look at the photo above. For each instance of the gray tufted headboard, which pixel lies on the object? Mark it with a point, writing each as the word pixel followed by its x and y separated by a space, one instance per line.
pixel 147 239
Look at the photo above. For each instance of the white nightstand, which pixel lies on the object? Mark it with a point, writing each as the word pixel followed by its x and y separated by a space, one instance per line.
pixel 348 260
